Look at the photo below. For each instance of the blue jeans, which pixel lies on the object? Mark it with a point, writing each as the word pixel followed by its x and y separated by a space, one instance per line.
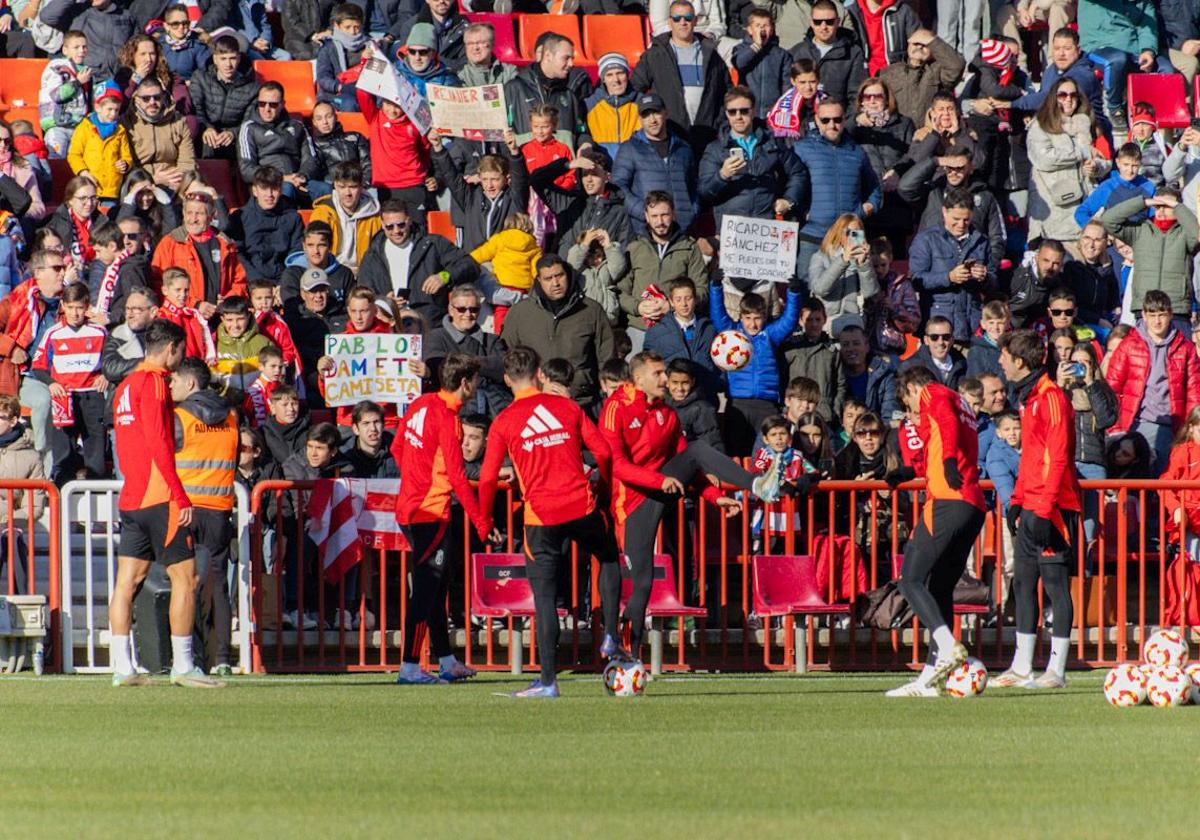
pixel 1091 498
pixel 318 189
pixel 1160 437
pixel 1117 65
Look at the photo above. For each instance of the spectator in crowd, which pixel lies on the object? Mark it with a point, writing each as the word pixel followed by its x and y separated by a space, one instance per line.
pixel 746 171
pixel 249 18
pixel 306 26
pixel 368 455
pixel 100 145
pixel 225 95
pixel 656 159
pixel 763 66
pixel 339 56
pixel 460 332
pixel 500 189
pixel 199 339
pixel 811 354
pixel 656 258
pixel 309 319
pixel 271 374
pixel 270 324
pixel 124 347
pixel 1162 246
pixel 238 343
pixel 885 135
pixel 143 57
pixel 508 261
pixel 995 395
pixel 794 114
pixel 1093 279
pixel 835 52
pixel 1145 136
pixel 73 221
pixel 686 71
pixel 1117 37
pixel 418 60
pixel 1032 282
pixel 316 252
pixel 547 81
pixel 1182 165
pixel 352 214
pixel 115 271
pixel 697 415
pixel 1155 373
pixel 710 19
pixel 184 52
pixel 870 377
pixel 65 96
pixel 558 321
pixel 893 315
pixel 882 29
pixel 600 262
pixel 267 228
pixel 482 67
pixel 19 461
pixel 272 137
pixel 154 208
pixel 1067 61
pixel 1010 18
pixel 1095 406
pixel 405 264
pixel 1122 183
pixel 686 334
pixel 840 273
pixel 316 460
pixel 931 66
pixel 160 137
pixel 984 358
pixel 612 107
pixel 207 256
pixel 335 145
pixel 938 353
pixel 836 178
pixel 104 23
pixel 1004 456
pixel 949 265
pixel 446 25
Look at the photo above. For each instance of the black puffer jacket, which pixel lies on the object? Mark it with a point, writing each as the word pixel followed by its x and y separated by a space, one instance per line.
pixel 841 69
pixel 430 255
pixel 576 211
pixel 1097 287
pixel 341 146
pixel 1095 412
pixel 224 105
pixel 283 143
pixel 106 29
pixel 886 145
pixel 658 71
pixel 301 20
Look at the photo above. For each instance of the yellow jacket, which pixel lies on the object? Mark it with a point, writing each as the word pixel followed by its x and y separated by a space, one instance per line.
pixel 513 254
pixel 366 224
pixel 88 152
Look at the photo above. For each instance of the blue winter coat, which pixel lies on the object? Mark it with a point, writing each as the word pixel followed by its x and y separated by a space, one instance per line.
pixel 666 338
pixel 983 358
pixel 930 257
pixel 836 178
pixel 1081 72
pixel 1112 191
pixel 771 172
pixel 638 171
pixel 986 430
pixel 437 73
pixel 183 63
pixel 759 379
pixel 1002 464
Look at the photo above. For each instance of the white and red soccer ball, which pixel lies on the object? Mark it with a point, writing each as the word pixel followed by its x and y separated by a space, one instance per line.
pixel 1193 671
pixel 1125 685
pixel 967 680
pixel 730 350
pixel 625 678
pixel 1168 685
pixel 1165 647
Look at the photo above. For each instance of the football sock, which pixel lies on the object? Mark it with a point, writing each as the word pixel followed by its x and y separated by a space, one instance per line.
pixel 118 649
pixel 181 654
pixel 1023 658
pixel 1059 648
pixel 944 640
pixel 447 662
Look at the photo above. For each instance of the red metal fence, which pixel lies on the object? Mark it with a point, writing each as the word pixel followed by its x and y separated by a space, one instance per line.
pixel 30 553
pixel 1119 582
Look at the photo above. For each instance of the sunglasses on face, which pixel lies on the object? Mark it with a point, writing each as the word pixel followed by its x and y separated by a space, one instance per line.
pixel 824 21
pixel 939 337
pixel 1058 313
pixel 682 18
pixel 869 433
pixel 396 226
pixel 466 310
pixel 152 97
pixel 1067 94
pixel 131 237
pixel 869 95
pixel 180 22
pixel 262 103
pixel 737 112
pixel 418 51
pixel 828 120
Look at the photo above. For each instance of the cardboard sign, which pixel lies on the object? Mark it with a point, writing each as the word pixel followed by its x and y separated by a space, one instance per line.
pixel 476 113
pixel 379 78
pixel 759 249
pixel 372 366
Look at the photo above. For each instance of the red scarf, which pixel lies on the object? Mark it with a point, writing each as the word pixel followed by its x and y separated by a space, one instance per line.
pixel 1163 224
pixel 25 315
pixel 82 250
pixel 257 398
pixel 199 336
pixel 108 285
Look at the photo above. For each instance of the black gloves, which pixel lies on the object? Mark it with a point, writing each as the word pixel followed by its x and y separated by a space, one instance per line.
pixel 1013 517
pixel 795 284
pixel 801 485
pixel 1042 531
pixel 953 477
pixel 899 475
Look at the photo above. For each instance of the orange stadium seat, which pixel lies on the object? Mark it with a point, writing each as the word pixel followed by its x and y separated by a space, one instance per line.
pixel 623 34
pixel 532 27
pixel 438 221
pixel 505 48
pixel 299 90
pixel 1165 91
pixel 354 121
pixel 20 80
pixel 305 216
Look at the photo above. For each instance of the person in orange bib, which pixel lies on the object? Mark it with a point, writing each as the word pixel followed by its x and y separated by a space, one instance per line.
pixel 950 520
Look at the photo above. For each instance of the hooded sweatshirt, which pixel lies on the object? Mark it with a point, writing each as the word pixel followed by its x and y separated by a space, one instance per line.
pixel 349 245
pixel 1156 400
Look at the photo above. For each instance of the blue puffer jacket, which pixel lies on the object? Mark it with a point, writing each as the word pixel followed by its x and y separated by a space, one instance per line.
pixel 1002 464
pixel 759 379
pixel 881 387
pixel 638 171
pixel 930 257
pixel 771 172
pixel 666 338
pixel 836 178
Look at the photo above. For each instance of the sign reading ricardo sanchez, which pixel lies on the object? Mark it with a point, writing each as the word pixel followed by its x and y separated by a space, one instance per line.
pixel 758 249
pixel 372 366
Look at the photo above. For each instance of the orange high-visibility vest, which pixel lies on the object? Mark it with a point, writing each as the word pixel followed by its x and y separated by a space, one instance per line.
pixel 207 462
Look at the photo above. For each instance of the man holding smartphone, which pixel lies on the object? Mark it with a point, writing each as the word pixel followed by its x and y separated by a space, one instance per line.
pixel 949 266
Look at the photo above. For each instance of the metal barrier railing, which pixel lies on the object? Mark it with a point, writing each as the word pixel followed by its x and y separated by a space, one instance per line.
pixel 29 550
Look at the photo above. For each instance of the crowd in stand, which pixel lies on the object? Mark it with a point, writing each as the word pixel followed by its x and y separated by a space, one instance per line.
pixel 943 199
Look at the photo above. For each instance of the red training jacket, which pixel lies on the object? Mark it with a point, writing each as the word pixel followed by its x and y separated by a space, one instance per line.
pixel 947 429
pixel 1183 466
pixel 428 451
pixel 144 425
pixel 1129 368
pixel 544 435
pixel 1046 481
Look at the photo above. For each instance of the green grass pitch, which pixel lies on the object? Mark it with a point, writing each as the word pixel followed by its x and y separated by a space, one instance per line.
pixel 698 756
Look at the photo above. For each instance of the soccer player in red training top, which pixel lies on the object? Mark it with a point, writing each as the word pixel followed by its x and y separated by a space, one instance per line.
pixel 651 462
pixel 1044 510
pixel 936 556
pixel 544 435
pixel 428 451
pixel 156 516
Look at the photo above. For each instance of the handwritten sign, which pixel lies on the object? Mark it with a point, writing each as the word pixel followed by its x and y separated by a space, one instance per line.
pixel 476 113
pixel 379 78
pixel 372 366
pixel 758 249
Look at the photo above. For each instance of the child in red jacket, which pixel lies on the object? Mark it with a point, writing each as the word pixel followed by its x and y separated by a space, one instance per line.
pixel 175 288
pixel 541 151
pixel 399 152
pixel 1184 505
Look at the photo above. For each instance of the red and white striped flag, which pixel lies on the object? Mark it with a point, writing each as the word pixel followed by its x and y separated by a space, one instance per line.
pixel 346 514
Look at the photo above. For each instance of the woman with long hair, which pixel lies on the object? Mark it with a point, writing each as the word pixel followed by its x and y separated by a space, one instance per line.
pixel 1066 161
pixel 141 58
pixel 141 198
pixel 73 221
pixel 885 135
pixel 14 165
pixel 1095 405
pixel 840 271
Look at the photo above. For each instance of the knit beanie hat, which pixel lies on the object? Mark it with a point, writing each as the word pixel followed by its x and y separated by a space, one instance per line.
pixel 995 53
pixel 421 35
pixel 612 60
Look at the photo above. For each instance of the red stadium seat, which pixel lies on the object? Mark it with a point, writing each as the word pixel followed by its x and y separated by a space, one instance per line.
pixel 20 80
pixel 299 90
pixel 60 173
pixel 664 602
pixel 438 221
pixel 959 609
pixel 505 48
pixel 532 27
pixel 305 216
pixel 624 34
pixel 1165 91
pixel 786 584
pixel 224 178
pixel 499 588
pixel 354 121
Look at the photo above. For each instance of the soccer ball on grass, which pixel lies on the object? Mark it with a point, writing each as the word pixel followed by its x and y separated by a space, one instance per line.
pixel 967 680
pixel 625 678
pixel 1168 685
pixel 1165 647
pixel 1125 685
pixel 730 350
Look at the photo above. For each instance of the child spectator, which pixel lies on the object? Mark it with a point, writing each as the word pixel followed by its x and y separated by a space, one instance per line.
pixel 249 18
pixel 285 429
pixel 100 145
pixel 335 145
pixel 612 116
pixel 315 461
pixel 1004 455
pixel 400 154
pixel 113 273
pixel 1143 131
pixel 1123 183
pixel 697 415
pixel 175 288
pixel 600 263
pixel 812 354
pixel 339 59
pixel 687 334
pixel 893 315
pixel 181 49
pixel 613 374
pixel 271 374
pixel 544 149
pixel 68 361
pixel 777 452
pixel 65 96
pixel 852 410
pixel 762 65
pixel 794 114
pixel 238 346
pixel 1184 465
pixel 513 254
pixel 971 390
pixel 985 345
pixel 362 317
pixel 753 390
pixel 803 396
pixel 267 228
pixel 499 189
pixel 270 324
